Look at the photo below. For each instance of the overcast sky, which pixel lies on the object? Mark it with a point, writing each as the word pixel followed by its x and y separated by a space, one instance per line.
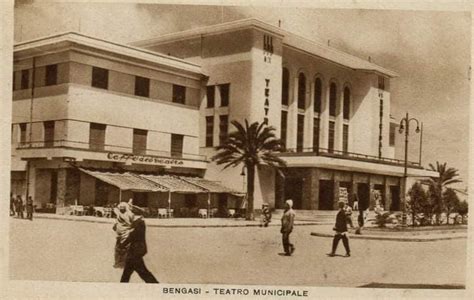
pixel 429 49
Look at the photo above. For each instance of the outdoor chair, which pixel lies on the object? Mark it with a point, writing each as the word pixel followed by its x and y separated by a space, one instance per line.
pixel 231 213
pixel 169 213
pixel 108 212
pixel 213 212
pixel 202 213
pixel 99 211
pixel 78 210
pixel 162 213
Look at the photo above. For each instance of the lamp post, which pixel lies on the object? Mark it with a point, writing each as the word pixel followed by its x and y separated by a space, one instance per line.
pixel 406 129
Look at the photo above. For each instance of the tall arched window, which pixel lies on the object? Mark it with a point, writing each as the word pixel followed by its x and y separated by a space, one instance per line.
pixel 285 87
pixel 318 91
pixel 332 99
pixel 301 91
pixel 347 103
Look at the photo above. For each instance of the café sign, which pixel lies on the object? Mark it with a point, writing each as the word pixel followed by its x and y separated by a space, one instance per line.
pixel 131 158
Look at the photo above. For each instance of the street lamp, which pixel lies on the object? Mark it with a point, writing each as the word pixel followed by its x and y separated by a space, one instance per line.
pixel 406 129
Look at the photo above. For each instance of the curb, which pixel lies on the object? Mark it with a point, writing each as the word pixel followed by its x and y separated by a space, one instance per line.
pixel 397 239
pixel 111 221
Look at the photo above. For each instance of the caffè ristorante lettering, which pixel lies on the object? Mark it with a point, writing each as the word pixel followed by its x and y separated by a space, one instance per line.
pixel 124 157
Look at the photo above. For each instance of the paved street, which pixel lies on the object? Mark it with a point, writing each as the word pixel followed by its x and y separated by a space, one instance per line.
pixel 80 251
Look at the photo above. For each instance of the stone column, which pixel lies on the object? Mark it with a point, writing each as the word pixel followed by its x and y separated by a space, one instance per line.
pixel 388 195
pixel 314 177
pixel 336 194
pixel 371 194
pixel 61 190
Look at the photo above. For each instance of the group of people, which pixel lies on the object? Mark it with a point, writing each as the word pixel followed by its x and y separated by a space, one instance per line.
pixel 17 206
pixel 343 219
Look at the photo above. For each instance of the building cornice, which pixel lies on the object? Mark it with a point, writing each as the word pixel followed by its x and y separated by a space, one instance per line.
pixel 70 40
pixel 290 39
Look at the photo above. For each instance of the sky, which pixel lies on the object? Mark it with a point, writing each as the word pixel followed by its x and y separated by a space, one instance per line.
pixel 430 50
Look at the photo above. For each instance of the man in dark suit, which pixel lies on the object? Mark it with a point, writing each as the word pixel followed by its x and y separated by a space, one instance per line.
pixel 138 249
pixel 341 230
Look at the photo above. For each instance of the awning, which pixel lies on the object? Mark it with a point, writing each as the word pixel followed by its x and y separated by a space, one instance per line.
pixel 211 186
pixel 175 184
pixel 126 181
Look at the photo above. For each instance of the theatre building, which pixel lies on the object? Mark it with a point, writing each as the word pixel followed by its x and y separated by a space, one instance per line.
pixel 96 122
pixel 331 109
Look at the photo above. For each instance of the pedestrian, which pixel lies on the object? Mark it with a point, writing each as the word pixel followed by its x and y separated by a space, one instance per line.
pixel 266 215
pixel 360 221
pixel 341 231
pixel 287 221
pixel 29 208
pixel 19 206
pixel 12 204
pixel 348 212
pixel 131 243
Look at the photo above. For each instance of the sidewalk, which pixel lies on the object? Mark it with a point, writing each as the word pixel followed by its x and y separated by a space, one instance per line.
pixel 175 222
pixel 421 235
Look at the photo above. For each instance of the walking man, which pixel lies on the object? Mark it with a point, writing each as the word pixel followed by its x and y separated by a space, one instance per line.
pixel 29 208
pixel 131 244
pixel 12 205
pixel 19 206
pixel 287 221
pixel 341 230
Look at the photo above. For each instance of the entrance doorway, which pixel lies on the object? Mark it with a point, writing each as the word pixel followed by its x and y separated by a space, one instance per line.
pixel 54 186
pixel 395 194
pixel 326 195
pixel 294 191
pixel 222 205
pixel 363 193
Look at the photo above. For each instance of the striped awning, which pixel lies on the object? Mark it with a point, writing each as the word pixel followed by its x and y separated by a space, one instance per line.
pixel 126 181
pixel 211 186
pixel 175 184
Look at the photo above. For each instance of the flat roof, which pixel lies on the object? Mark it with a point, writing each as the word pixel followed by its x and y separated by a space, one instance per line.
pixel 48 44
pixel 289 39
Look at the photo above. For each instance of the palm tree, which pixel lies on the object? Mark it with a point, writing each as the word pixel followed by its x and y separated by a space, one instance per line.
pixel 437 185
pixel 251 145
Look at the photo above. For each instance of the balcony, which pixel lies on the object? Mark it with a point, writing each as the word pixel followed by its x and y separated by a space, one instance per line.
pixel 350 161
pixel 78 151
pixel 347 155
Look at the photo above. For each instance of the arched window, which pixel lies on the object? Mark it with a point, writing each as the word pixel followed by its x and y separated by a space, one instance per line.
pixel 301 91
pixel 318 91
pixel 332 99
pixel 285 86
pixel 347 103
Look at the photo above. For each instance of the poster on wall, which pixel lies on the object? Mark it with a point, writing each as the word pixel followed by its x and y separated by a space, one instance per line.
pixel 343 194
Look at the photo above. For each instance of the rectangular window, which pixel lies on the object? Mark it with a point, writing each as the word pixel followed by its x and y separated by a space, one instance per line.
pixel 393 129
pixel 223 128
pixel 345 138
pixel 139 141
pixel 209 131
pixel 316 134
pixel 224 93
pixel 381 82
pixel 13 82
pixel 51 75
pixel 332 127
pixel 284 125
pixel 48 133
pixel 142 86
pixel 177 145
pixel 211 96
pixel 179 94
pixel 100 78
pixel 22 132
pixel 300 133
pixel 25 79
pixel 97 136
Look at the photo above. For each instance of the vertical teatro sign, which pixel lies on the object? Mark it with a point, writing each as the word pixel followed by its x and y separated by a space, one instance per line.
pixel 381 90
pixel 267 58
